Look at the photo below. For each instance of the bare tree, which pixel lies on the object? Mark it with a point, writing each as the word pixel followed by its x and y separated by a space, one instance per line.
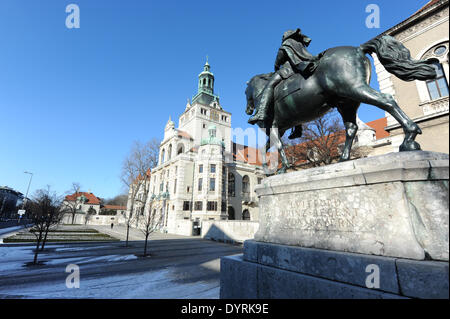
pixel 91 212
pixel 71 206
pixel 319 144
pixel 119 200
pixel 135 176
pixel 46 212
pixel 151 222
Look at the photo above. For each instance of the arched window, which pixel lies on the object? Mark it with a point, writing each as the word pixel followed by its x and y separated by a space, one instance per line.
pixel 180 149
pixel 438 87
pixel 231 215
pixel 163 156
pixel 245 215
pixel 169 152
pixel 231 185
pixel 246 184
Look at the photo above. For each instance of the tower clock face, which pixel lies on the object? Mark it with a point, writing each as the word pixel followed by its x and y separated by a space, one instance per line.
pixel 214 115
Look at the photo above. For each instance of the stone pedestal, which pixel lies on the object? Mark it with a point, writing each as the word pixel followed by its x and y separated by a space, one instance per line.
pixel 393 206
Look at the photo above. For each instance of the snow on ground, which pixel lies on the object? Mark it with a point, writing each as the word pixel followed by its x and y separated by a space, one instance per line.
pixel 84 260
pixel 152 285
pixel 48 281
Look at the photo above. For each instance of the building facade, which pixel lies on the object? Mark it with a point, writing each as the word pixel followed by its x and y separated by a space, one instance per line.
pixel 426 35
pixel 201 174
pixel 10 201
pixel 90 210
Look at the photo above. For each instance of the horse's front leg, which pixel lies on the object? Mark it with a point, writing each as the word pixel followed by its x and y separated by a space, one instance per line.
pixel 264 150
pixel 277 134
pixel 348 114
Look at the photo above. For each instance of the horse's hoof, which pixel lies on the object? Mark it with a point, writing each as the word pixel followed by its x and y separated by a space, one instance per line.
pixel 410 146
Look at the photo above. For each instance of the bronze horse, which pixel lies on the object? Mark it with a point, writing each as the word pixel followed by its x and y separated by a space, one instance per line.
pixel 341 80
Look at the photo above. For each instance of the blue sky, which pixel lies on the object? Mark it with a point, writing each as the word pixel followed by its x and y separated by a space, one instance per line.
pixel 72 101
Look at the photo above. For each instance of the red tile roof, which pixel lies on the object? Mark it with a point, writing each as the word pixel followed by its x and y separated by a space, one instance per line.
pixel 246 154
pixel 184 134
pixel 378 126
pixel 91 198
pixel 426 6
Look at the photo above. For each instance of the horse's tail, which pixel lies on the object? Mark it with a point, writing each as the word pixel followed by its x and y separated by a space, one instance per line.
pixel 396 59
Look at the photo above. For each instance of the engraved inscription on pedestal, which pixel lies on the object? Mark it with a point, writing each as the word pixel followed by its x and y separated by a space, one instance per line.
pixel 406 218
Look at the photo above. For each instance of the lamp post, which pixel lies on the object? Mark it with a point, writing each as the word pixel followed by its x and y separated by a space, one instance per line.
pixel 165 196
pixel 26 195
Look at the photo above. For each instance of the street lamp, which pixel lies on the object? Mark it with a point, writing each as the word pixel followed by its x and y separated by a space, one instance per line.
pixel 26 196
pixel 29 183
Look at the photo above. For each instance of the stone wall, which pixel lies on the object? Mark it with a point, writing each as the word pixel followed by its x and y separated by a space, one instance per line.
pixel 229 230
pixel 182 227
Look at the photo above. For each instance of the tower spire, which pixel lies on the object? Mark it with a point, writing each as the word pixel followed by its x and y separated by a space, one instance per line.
pixel 205 94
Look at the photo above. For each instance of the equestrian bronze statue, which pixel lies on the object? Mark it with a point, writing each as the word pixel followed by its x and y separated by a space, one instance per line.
pixel 305 87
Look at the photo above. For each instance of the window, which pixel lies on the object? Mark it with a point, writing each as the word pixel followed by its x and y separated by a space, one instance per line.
pixel 161 187
pixel 175 187
pixel 162 156
pixel 246 215
pixel 246 184
pixel 169 152
pixel 440 50
pixel 259 180
pixel 203 111
pixel 200 168
pixel 186 205
pixel 224 206
pixel 198 205
pixel 212 184
pixel 231 215
pixel 231 185
pixel 188 189
pixel 438 87
pixel 212 206
pixel 213 168
pixel 200 184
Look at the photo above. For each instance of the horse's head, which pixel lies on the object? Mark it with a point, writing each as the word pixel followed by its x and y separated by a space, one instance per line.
pixel 249 94
pixel 254 89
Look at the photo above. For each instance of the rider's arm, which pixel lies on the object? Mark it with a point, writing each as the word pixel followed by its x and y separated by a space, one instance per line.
pixel 281 59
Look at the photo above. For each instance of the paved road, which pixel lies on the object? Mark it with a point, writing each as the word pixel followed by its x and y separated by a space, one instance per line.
pixel 120 232
pixel 179 267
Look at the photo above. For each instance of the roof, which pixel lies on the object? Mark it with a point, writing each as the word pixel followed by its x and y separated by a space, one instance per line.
pixel 91 198
pixel 246 154
pixel 426 6
pixel 184 134
pixel 379 126
pixel 115 207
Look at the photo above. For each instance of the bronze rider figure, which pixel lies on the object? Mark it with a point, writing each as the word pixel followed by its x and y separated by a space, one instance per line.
pixel 292 57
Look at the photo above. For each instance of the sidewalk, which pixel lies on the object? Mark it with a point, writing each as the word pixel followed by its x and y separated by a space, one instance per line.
pixel 120 232
pixel 5 232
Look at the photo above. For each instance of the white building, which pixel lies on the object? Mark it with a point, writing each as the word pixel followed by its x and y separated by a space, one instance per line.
pixel 202 174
